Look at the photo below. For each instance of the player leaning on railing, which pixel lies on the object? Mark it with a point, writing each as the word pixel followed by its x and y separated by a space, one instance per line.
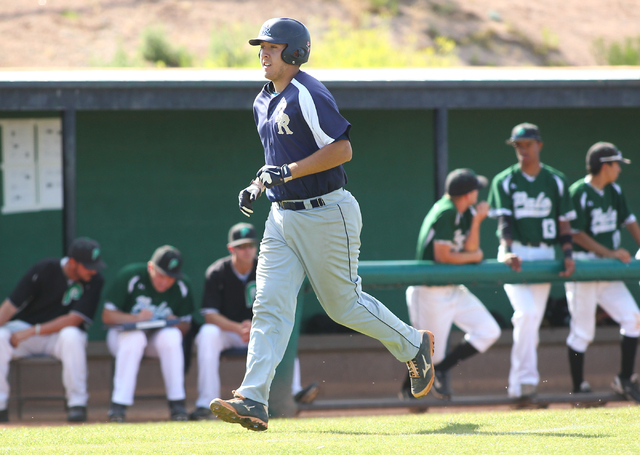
pixel 532 203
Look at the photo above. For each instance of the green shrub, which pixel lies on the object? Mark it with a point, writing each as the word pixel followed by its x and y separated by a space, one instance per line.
pixel 157 49
pixel 626 53
pixel 230 48
pixel 344 47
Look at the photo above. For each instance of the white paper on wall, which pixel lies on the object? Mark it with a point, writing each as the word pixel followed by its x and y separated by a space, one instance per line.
pixel 49 141
pixel 18 145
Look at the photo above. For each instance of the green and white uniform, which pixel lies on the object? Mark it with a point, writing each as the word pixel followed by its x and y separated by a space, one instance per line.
pixel 600 214
pixel 131 292
pixel 435 308
pixel 535 205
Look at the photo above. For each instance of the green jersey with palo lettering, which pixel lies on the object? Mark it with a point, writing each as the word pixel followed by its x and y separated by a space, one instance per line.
pixel 132 291
pixel 600 213
pixel 443 223
pixel 535 204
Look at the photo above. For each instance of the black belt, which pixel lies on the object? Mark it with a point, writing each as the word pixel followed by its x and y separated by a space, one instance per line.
pixel 299 205
pixel 535 244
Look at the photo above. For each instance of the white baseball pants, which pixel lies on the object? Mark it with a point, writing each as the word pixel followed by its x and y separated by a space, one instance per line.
pixel 613 297
pixel 210 342
pixel 324 244
pixel 436 308
pixel 128 347
pixel 68 345
pixel 529 302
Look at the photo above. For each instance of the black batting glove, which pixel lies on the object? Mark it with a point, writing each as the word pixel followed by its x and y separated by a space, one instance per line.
pixel 247 197
pixel 271 176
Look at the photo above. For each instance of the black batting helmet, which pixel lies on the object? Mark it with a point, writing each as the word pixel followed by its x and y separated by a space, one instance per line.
pixel 293 33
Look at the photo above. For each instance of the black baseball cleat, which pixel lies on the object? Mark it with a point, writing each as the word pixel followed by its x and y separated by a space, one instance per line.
pixel 441 385
pixel 627 387
pixel 77 414
pixel 117 413
pixel 178 411
pixel 248 413
pixel 308 394
pixel 421 367
pixel 201 414
pixel 583 388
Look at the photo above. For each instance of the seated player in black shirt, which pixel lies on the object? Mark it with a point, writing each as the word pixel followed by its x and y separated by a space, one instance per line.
pixel 48 314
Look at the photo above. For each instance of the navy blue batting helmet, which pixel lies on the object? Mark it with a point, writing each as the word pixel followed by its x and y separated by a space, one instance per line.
pixel 293 33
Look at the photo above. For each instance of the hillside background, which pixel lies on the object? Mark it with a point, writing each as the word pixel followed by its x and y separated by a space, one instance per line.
pixel 205 33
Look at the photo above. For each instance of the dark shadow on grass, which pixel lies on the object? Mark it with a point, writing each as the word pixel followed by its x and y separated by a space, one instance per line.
pixel 472 429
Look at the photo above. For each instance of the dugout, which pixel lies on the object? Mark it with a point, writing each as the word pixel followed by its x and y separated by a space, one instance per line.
pixel 149 157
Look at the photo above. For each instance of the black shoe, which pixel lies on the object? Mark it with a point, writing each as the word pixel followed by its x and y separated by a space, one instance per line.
pixel 248 413
pixel 308 394
pixel 421 368
pixel 201 414
pixel 178 411
pixel 584 388
pixel 441 385
pixel 77 414
pixel 627 387
pixel 4 415
pixel 117 413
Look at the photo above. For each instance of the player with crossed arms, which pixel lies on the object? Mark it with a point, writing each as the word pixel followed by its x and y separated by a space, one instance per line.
pixel 602 210
pixel 533 206
pixel 313 228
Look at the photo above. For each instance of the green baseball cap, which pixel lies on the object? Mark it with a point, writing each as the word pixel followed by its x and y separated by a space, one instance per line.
pixel 168 260
pixel 524 131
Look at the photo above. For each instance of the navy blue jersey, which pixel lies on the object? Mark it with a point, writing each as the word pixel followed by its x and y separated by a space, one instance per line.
pixel 295 124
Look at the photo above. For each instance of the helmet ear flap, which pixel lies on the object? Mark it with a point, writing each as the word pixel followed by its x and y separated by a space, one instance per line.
pixel 299 53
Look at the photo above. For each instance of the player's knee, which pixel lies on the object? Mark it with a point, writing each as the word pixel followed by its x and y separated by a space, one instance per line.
pixel 71 336
pixel 630 325
pixel 492 333
pixel 132 341
pixel 169 338
pixel 210 335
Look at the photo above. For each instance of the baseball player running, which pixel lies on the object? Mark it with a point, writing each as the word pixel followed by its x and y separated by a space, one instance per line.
pixel 533 206
pixel 450 234
pixel 313 227
pixel 602 210
pixel 155 291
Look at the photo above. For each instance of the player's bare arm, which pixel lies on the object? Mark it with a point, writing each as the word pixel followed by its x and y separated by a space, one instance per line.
pixel 511 259
pixel 115 317
pixel 588 243
pixel 443 253
pixel 53 326
pixel 565 232
pixel 328 157
pixel 7 310
pixel 472 243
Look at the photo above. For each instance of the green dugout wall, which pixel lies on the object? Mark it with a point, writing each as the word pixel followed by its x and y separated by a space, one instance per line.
pixel 146 177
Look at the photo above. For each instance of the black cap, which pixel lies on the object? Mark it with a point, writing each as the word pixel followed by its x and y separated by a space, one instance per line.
pixel 524 131
pixel 242 233
pixel 462 181
pixel 86 251
pixel 603 152
pixel 168 261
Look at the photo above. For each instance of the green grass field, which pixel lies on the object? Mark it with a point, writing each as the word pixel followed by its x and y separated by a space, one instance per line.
pixel 583 431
